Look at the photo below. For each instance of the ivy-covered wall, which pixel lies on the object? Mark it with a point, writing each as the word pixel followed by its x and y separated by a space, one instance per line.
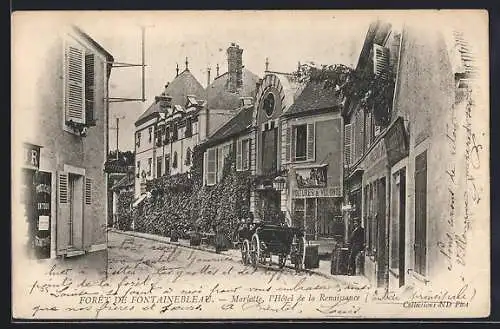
pixel 124 220
pixel 182 203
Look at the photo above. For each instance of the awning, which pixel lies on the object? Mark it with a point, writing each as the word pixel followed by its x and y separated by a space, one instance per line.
pixel 139 200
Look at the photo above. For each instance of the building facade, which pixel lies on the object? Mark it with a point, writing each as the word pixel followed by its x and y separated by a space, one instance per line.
pixel 168 130
pixel 185 115
pixel 406 178
pixel 64 190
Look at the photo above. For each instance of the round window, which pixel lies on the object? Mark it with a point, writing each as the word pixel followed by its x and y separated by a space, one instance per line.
pixel 268 104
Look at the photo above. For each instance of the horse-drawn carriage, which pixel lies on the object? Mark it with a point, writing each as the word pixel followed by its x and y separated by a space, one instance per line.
pixel 259 242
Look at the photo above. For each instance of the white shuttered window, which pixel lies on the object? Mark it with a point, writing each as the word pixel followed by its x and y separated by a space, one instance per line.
pixel 74 83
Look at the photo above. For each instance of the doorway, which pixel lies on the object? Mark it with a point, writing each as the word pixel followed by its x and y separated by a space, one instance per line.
pixel 75 196
pixel 381 234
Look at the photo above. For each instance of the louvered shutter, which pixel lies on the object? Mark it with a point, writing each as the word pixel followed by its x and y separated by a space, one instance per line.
pixel 380 61
pixel 74 95
pixel 347 143
pixel 88 191
pixel 465 52
pixel 311 141
pixel 238 155
pixel 420 246
pixel 87 213
pixel 220 163
pixel 368 128
pixel 90 89
pixel 294 143
pixel 211 166
pixel 288 137
pixel 63 213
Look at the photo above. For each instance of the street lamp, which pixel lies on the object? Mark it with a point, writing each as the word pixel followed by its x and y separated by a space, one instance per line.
pixel 279 183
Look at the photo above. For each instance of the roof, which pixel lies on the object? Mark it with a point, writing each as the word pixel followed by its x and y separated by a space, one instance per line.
pixel 314 97
pixel 220 98
pixel 127 180
pixel 94 43
pixel 238 124
pixel 183 85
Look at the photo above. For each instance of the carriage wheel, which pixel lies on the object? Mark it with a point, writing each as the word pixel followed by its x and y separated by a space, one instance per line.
pixel 245 252
pixel 255 255
pixel 282 260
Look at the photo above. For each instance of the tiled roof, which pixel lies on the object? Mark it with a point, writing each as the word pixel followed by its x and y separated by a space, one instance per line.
pixel 183 85
pixel 241 121
pixel 220 98
pixel 314 96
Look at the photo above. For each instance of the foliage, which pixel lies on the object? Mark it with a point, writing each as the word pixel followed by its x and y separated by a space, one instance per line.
pixel 126 158
pixel 124 211
pixel 374 93
pixel 181 202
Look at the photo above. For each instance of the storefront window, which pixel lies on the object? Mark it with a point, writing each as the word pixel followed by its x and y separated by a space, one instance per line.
pixel 298 213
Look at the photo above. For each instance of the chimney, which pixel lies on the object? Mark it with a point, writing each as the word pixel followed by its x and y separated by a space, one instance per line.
pixel 235 67
pixel 208 76
pixel 177 69
pixel 267 64
pixel 164 100
pixel 217 72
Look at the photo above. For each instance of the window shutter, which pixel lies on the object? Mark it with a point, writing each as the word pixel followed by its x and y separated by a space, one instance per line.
pixel 380 60
pixel 74 98
pixel 347 143
pixel 90 89
pixel 368 129
pixel 311 150
pixel 220 163
pixel 420 213
pixel 88 191
pixel 211 166
pixel 63 212
pixel 288 137
pixel 294 143
pixel 245 154
pixel 238 155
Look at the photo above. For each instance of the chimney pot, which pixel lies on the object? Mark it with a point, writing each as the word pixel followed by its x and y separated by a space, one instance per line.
pixel 235 67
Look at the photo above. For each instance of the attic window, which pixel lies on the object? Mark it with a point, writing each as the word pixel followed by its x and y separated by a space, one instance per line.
pixel 191 101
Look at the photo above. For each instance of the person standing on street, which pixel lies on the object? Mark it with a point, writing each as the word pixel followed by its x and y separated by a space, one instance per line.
pixel 357 244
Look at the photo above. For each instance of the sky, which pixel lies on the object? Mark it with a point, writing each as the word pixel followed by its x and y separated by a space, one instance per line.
pixel 284 37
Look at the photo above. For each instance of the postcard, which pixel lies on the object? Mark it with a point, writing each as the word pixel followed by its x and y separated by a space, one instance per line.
pixel 258 165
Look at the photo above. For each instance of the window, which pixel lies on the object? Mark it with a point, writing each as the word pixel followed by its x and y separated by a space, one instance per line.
pixel 138 139
pixel 79 80
pixel 167 135
pixel 368 130
pixel 189 127
pixel 243 154
pixel 158 166
pixel 167 164
pixel 175 132
pixel 268 104
pixel 298 213
pixel 158 136
pixel 150 165
pixel 150 131
pixel 421 213
pixel 174 160
pixel 211 166
pixel 138 169
pixel 303 142
pixel 300 142
pixel 188 157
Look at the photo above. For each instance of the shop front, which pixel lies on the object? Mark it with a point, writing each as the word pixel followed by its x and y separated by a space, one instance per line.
pixel 316 206
pixel 36 192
